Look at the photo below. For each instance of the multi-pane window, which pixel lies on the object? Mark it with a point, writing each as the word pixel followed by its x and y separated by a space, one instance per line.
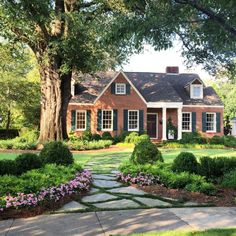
pixel 186 121
pixel 107 120
pixel 81 120
pixel 133 120
pixel 196 91
pixel 211 122
pixel 120 88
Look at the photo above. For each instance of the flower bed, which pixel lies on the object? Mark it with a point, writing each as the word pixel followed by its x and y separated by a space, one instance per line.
pixel 45 197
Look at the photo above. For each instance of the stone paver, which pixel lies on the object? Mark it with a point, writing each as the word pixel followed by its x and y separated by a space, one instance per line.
pixel 104 177
pixel 191 204
pixel 150 202
pixel 5 226
pixel 127 190
pixel 94 190
pixel 139 221
pixel 106 183
pixel 71 206
pixel 85 224
pixel 98 198
pixel 207 217
pixel 123 203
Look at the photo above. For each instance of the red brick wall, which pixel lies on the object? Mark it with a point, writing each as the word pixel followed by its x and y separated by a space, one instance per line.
pixel 199 111
pixel 108 100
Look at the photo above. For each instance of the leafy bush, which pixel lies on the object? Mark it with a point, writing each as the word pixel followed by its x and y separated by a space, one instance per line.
pixel 17 144
pixel 132 137
pixel 7 167
pixel 185 161
pixel 213 168
pixel 27 161
pixel 56 152
pixel 87 135
pixel 229 141
pixel 91 145
pixel 146 152
pixel 229 180
pixel 96 137
pixel 193 137
pixel 28 135
pixel 34 180
pixel 107 136
pixel 216 140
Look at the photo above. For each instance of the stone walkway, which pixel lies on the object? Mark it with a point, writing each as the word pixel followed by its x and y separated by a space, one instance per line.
pixel 121 222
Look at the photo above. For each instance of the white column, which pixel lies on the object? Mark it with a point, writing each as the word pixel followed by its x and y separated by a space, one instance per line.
pixel 179 123
pixel 164 123
pixel 72 88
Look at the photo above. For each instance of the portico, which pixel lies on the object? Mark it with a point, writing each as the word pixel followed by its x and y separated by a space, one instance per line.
pixel 164 111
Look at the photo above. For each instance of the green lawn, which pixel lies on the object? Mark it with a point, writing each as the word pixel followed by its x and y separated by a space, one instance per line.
pixel 211 232
pixel 104 161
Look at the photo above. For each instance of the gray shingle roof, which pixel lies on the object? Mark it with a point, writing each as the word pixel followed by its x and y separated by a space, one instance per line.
pixel 154 87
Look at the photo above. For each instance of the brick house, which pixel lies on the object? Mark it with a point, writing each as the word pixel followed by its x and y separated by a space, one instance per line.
pixel 137 101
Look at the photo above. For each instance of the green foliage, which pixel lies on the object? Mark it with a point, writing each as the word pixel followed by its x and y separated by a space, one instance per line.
pixel 28 135
pixel 229 180
pixel 96 137
pixel 27 161
pixel 171 129
pixel 216 140
pixel 91 145
pixel 34 180
pixel 107 136
pixel 132 137
pixel 192 138
pixel 185 161
pixel 87 135
pixel 8 167
pixel 229 141
pixel 16 143
pixel 173 145
pixel 146 152
pixel 56 152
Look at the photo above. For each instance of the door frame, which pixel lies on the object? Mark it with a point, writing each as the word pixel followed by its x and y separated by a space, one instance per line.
pixel 154 113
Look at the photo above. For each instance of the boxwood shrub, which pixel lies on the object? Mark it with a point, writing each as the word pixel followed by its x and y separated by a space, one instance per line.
pixel 8 167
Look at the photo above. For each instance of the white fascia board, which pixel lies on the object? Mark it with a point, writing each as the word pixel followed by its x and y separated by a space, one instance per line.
pixel 165 104
pixel 213 106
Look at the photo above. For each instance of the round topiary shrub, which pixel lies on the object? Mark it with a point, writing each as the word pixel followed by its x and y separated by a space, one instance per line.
pixel 27 161
pixel 185 161
pixel 107 136
pixel 96 137
pixel 56 152
pixel 146 152
pixel 142 138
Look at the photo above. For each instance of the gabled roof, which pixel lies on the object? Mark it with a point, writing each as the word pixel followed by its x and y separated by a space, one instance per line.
pixel 153 87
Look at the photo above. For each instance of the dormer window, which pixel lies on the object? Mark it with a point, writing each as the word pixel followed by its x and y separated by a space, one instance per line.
pixel 120 88
pixel 196 91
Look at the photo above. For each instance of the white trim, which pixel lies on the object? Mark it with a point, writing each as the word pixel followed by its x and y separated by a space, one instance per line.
pixel 81 104
pixel 85 111
pixel 152 113
pixel 111 120
pixel 164 125
pixel 198 86
pixel 164 104
pixel 189 83
pixel 179 123
pixel 190 125
pixel 109 84
pixel 123 84
pixel 211 131
pixel 137 121
pixel 209 106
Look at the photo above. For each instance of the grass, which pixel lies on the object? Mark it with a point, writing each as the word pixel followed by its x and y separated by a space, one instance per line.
pixel 210 232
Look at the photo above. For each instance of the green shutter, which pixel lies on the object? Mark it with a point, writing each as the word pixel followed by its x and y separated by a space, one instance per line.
pixel 113 88
pixel 73 118
pixel 218 122
pixel 141 121
pixel 194 120
pixel 115 119
pixel 127 88
pixel 99 120
pixel 125 120
pixel 204 122
pixel 88 124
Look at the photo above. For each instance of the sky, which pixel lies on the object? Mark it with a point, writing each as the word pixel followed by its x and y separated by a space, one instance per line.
pixel 157 61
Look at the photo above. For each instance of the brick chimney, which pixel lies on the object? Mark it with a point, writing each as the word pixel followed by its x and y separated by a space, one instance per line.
pixel 172 69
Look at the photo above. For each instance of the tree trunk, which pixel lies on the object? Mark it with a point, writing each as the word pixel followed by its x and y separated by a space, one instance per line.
pixel 8 122
pixel 55 92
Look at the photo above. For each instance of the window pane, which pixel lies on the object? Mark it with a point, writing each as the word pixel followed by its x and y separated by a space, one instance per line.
pixel 106 119
pixel 133 120
pixel 196 91
pixel 81 120
pixel 210 122
pixel 186 121
pixel 120 88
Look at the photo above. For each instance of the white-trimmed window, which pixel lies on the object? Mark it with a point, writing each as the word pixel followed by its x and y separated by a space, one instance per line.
pixel 210 122
pixel 107 120
pixel 197 91
pixel 133 120
pixel 81 120
pixel 186 122
pixel 120 88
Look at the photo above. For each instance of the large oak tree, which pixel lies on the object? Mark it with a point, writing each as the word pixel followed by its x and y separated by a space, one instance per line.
pixel 65 35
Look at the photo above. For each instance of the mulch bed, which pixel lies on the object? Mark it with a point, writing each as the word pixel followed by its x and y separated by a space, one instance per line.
pixel 224 197
pixel 38 210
